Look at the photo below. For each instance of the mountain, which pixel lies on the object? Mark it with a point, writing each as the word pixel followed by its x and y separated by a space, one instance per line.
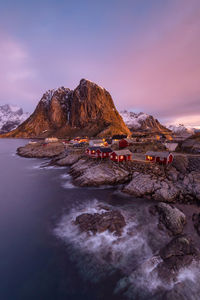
pixel 87 110
pixel 11 117
pixel 181 129
pixel 142 122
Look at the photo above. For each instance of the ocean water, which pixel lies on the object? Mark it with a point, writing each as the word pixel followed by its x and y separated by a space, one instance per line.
pixel 44 256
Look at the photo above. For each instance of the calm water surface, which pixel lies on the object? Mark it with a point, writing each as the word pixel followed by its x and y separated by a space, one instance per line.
pixel 34 263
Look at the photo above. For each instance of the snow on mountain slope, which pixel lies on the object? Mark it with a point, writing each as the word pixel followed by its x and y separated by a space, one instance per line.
pixel 141 121
pixel 181 129
pixel 11 117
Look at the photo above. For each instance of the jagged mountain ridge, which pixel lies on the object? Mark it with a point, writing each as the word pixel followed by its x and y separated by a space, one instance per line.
pixel 11 117
pixel 142 122
pixel 181 129
pixel 87 110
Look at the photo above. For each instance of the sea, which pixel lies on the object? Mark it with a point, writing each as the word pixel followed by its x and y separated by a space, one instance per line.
pixel 44 256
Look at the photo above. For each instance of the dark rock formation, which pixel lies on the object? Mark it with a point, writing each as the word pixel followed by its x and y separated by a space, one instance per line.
pixel 112 221
pixel 178 253
pixel 173 219
pixel 196 220
pixel 191 144
pixel 88 110
pixel 41 150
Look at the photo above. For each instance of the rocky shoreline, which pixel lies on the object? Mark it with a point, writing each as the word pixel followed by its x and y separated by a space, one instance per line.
pixel 178 182
pixel 169 187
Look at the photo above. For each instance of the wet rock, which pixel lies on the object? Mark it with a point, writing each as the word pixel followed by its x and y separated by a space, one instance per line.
pixel 113 221
pixel 171 217
pixel 196 220
pixel 177 254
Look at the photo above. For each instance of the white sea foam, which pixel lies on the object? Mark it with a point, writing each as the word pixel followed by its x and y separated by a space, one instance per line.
pixel 68 185
pixel 100 255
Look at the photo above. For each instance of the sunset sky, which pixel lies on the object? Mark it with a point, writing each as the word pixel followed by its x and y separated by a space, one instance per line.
pixel 146 53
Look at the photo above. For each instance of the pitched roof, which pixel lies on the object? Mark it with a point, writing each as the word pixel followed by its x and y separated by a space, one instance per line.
pixel 102 149
pixel 123 152
pixel 93 148
pixel 164 154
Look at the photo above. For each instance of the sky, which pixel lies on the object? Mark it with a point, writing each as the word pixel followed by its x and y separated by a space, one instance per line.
pixel 146 53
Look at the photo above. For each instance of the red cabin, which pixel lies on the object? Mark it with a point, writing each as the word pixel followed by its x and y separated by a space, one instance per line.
pixel 98 152
pixel 121 155
pixel 104 152
pixel 123 143
pixel 163 158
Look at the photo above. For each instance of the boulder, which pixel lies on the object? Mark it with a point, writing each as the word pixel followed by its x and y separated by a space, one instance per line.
pixel 140 185
pixel 167 193
pixel 177 254
pixel 173 219
pixel 111 220
pixel 69 160
pixel 90 173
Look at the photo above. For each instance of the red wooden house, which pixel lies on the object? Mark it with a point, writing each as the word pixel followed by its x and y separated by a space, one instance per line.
pixel 121 155
pixel 98 152
pixel 123 143
pixel 159 157
pixel 92 151
pixel 105 152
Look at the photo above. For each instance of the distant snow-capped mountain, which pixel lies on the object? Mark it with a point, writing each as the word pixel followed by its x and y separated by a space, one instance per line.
pixel 141 121
pixel 181 129
pixel 11 117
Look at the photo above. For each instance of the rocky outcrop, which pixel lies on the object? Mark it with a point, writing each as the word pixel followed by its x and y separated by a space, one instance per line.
pixel 178 253
pixel 70 159
pixel 143 185
pixel 90 173
pixel 41 150
pixel 191 144
pixel 88 110
pixel 143 122
pixel 112 220
pixel 172 218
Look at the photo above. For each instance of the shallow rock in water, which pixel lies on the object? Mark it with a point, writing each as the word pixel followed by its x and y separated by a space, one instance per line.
pixel 112 221
pixel 41 150
pixel 177 254
pixel 171 217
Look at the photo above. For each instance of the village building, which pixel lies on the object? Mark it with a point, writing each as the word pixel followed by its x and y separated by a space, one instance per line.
pixel 51 140
pixel 123 143
pixel 118 137
pixel 98 152
pixel 159 157
pixel 96 143
pixel 121 155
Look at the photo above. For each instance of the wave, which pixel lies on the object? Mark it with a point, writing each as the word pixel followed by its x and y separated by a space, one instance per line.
pixel 133 253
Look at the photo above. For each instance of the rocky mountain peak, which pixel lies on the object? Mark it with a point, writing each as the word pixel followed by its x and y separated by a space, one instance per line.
pixel 142 122
pixel 87 110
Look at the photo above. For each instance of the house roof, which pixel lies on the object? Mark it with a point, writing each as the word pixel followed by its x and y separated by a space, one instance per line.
pixel 93 148
pixel 163 154
pixel 123 152
pixel 102 149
